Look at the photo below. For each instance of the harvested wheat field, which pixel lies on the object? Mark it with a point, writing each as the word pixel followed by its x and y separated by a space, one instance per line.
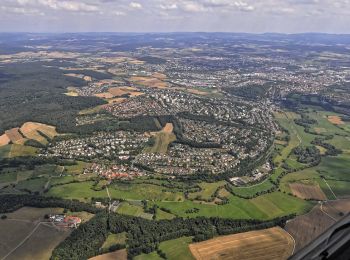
pixel 168 128
pixel 307 227
pixel 116 100
pixel 198 92
pixel 149 82
pixel 336 120
pixel 14 135
pixel 4 140
pixel 307 191
pixel 104 95
pixel 34 131
pixel 159 75
pixel 119 255
pixel 272 243
pixel 119 91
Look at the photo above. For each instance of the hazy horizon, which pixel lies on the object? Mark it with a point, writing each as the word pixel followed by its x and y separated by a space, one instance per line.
pixel 248 16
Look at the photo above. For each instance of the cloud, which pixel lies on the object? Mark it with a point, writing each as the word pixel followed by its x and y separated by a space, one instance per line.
pixel 178 15
pixel 69 5
pixel 168 6
pixel 118 13
pixel 74 6
pixel 135 5
pixel 21 10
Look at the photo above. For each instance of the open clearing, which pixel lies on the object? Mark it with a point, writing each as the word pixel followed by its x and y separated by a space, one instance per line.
pixel 15 136
pixel 151 82
pixel 36 131
pixel 307 227
pixel 28 130
pixel 272 243
pixel 335 120
pixel 114 239
pixel 177 248
pixel 337 208
pixel 24 236
pixel 4 140
pixel 162 139
pixel 119 255
pixel 21 150
pixel 306 191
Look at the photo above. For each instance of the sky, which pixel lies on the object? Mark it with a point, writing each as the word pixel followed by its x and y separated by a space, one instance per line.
pixel 253 16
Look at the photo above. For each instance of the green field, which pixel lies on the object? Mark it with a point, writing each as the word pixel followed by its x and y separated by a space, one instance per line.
pixel 84 191
pixel 160 214
pixel 242 208
pixel 150 256
pixel 174 249
pixel 161 142
pixel 177 248
pixel 132 210
pixel 4 151
pixel 21 150
pixel 252 190
pixel 33 185
pixel 114 239
pixel 207 191
pixel 340 188
pixel 77 168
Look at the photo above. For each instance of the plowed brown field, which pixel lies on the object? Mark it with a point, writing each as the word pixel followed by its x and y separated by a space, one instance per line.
pixel 335 120
pixel 305 191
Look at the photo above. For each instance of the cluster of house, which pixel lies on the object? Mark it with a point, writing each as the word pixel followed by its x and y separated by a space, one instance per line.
pixel 115 171
pixel 137 106
pixel 183 159
pixel 63 220
pixel 120 145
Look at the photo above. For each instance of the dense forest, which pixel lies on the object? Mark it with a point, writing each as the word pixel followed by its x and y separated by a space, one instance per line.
pixel 144 236
pixel 36 93
pixel 11 202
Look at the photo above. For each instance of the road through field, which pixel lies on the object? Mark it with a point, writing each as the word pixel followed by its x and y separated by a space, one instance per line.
pixel 23 241
pixel 329 187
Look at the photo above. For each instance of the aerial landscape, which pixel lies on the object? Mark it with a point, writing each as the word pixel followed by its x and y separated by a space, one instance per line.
pixel 171 145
